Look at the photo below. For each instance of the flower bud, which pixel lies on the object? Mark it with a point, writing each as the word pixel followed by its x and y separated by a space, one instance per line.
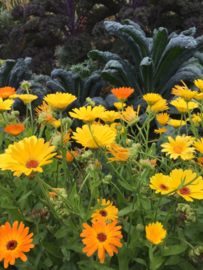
pixel 25 85
pixel 90 101
pixel 107 179
pixel 140 228
pixel 67 121
pixel 196 254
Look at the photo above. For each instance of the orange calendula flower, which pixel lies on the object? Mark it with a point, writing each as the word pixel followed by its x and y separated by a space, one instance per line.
pixel 122 93
pixel 160 130
pixel 109 212
pixel 102 237
pixel 155 233
pixel 14 129
pixel 14 241
pixel 7 91
pixel 200 162
pixel 119 153
pixel 66 136
pixel 189 191
pixel 178 147
pixel 69 156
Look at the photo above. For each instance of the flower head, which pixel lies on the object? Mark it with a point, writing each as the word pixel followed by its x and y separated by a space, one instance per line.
pixel 7 91
pixel 69 156
pixel 109 212
pixel 27 156
pixel 14 129
pixel 152 98
pixel 162 118
pixel 14 241
pixel 199 84
pixel 180 147
pixel 155 233
pixel 196 119
pixel 118 105
pixel 181 105
pixel 27 98
pixel 117 127
pixel 119 153
pixel 161 183
pixel 189 191
pixel 159 106
pixel 199 145
pixel 109 116
pixel 14 96
pixel 45 115
pixel 176 123
pixel 176 90
pixel 87 114
pixel 5 105
pixel 122 93
pixel 98 137
pixel 130 116
pixel 59 101
pixel 199 96
pixel 101 237
pixel 160 130
pixel 187 94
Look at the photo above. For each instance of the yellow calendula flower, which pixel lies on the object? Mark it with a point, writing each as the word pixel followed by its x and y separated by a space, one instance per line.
pixel 176 90
pixel 109 212
pixel 187 94
pixel 5 105
pixel 27 156
pixel 199 96
pixel 160 130
pixel 159 106
pixel 180 147
pixel 59 101
pixel 189 191
pixel 27 98
pixel 176 123
pixel 195 119
pixel 130 116
pixel 56 123
pixel 155 233
pixel 109 116
pixel 118 105
pixel 161 183
pixel 199 84
pixel 87 114
pixel 152 98
pixel 119 153
pixel 162 118
pixel 181 105
pixel 199 145
pixel 98 137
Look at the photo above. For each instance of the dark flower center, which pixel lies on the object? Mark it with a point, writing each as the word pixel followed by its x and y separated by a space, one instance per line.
pixel 32 164
pixel 103 213
pixel 101 237
pixel 163 187
pixel 11 245
pixel 185 191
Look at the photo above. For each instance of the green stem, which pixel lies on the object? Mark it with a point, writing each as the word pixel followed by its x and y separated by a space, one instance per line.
pixel 63 150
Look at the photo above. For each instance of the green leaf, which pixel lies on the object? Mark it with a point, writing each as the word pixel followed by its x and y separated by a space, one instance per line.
pixel 157 262
pixel 125 211
pixel 160 41
pixel 52 250
pixel 173 260
pixel 141 261
pixel 126 185
pixel 25 196
pixel 66 252
pixel 145 203
pixel 185 265
pixel 15 215
pixel 48 262
pixel 7 205
pixel 147 71
pixel 102 267
pixel 76 247
pixel 21 187
pixel 173 250
pixel 61 232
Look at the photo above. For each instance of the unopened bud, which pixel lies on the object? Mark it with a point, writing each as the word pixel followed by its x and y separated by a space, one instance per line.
pixel 90 101
pixel 25 85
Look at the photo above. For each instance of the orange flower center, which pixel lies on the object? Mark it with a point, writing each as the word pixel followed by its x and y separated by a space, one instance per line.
pixel 11 245
pixel 103 213
pixel 178 149
pixel 185 191
pixel 101 237
pixel 32 164
pixel 163 187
